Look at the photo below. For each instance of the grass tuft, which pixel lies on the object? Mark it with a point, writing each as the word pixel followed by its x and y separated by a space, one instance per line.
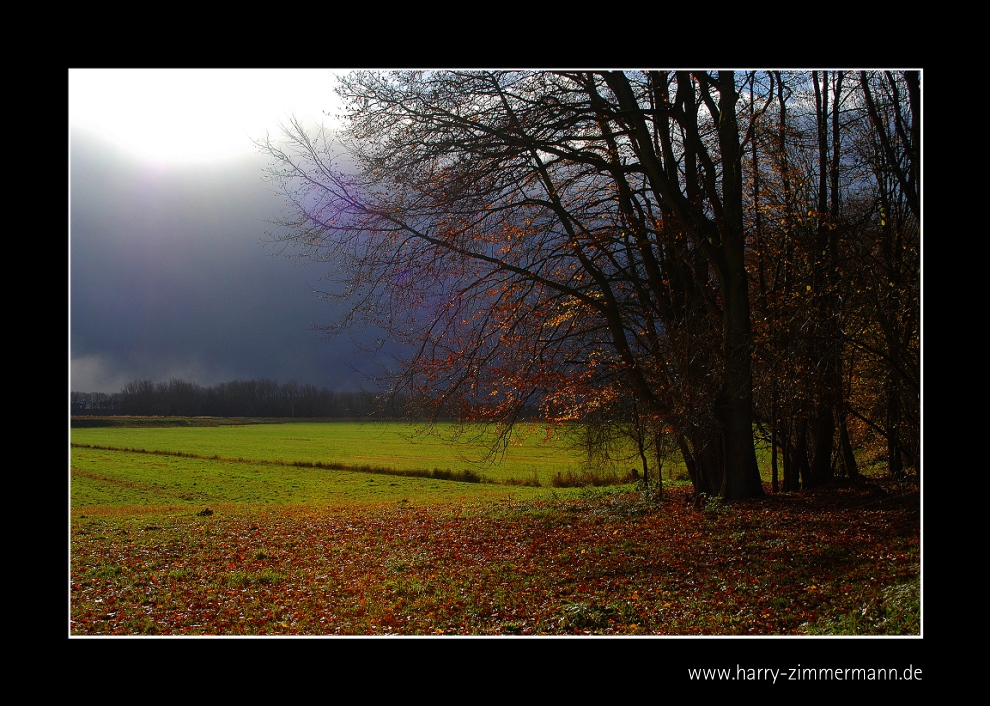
pixel 895 611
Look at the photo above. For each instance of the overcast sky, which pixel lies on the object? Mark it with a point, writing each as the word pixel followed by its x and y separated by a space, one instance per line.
pixel 169 273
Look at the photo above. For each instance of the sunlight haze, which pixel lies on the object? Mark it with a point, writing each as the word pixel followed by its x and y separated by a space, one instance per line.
pixel 195 115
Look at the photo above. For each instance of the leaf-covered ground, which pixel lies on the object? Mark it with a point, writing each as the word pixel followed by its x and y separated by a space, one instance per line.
pixel 603 565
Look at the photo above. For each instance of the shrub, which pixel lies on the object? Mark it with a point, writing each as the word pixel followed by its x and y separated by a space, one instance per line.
pixel 581 479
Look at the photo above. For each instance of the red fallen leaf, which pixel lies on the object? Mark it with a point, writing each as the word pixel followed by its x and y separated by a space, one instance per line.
pixel 323 576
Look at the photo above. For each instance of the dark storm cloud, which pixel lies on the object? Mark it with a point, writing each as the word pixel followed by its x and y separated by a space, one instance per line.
pixel 170 278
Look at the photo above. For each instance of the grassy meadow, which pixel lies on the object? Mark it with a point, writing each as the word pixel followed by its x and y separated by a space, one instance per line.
pixel 340 528
pixel 315 463
pixel 528 457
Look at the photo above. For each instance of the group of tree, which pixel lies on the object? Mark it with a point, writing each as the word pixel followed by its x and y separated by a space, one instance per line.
pixel 237 398
pixel 703 257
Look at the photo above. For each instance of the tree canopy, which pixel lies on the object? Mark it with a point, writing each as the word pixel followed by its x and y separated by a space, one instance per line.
pixel 704 254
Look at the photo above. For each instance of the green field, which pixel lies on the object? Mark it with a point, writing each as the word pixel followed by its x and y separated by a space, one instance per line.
pixel 313 463
pixel 396 445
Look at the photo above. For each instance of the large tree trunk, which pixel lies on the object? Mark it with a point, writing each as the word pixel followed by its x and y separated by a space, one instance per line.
pixel 742 474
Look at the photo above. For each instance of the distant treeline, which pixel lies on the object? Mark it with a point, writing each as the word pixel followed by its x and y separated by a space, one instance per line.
pixel 237 398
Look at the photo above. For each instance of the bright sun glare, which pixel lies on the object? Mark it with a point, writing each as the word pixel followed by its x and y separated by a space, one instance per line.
pixel 191 115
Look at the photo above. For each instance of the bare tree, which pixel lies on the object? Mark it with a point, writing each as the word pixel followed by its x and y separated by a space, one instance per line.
pixel 546 236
